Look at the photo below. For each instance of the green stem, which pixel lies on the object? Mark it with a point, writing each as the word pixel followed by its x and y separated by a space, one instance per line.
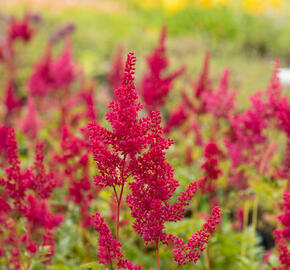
pixel 119 201
pixel 245 226
pixel 255 220
pixel 207 261
pixel 157 254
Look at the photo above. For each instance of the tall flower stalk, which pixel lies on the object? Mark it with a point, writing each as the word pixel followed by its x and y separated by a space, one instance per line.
pixel 135 148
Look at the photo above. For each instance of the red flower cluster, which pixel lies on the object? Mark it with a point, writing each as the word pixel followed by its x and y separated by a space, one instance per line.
pixel 155 87
pixel 109 248
pixel 117 69
pixel 185 253
pixel 24 194
pixel 207 184
pixel 72 167
pixel 177 117
pixel 52 74
pixel 282 236
pixel 135 147
pixel 221 102
pixel 11 101
pixel 20 29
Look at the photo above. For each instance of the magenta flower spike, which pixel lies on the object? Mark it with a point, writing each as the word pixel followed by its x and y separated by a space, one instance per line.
pixel 135 147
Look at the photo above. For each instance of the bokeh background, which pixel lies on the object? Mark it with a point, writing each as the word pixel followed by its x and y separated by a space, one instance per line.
pixel 245 35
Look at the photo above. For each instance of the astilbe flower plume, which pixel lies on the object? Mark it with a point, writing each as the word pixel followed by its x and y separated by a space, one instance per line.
pixel 282 236
pixel 117 68
pixel 50 74
pixel 41 80
pixel 180 114
pixel 109 248
pixel 72 167
pixel 202 85
pixel 30 124
pixel 177 117
pixel 274 91
pixel 284 125
pixel 127 138
pixel 115 149
pixel 63 68
pixel 221 102
pixel 208 183
pixel 87 95
pixel 202 94
pixel 3 140
pixel 198 134
pixel 135 147
pixel 11 101
pixel 20 29
pixel 185 253
pixel 25 215
pixel 41 181
pixel 246 141
pixel 155 87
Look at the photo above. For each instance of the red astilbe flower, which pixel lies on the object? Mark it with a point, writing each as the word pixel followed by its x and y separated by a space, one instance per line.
pixel 30 125
pixel 207 184
pixel 284 125
pixel 282 236
pixel 11 101
pixel 203 95
pixel 180 114
pixel 284 118
pixel 20 29
pixel 87 94
pixel 16 183
pixel 198 134
pixel 114 150
pixel 202 85
pixel 41 80
pixel 185 253
pixel 3 139
pixel 109 248
pixel 50 74
pixel 88 97
pixel 63 68
pixel 73 165
pixel 274 91
pixel 135 147
pixel 155 87
pixel 177 117
pixel 128 135
pixel 23 197
pixel 152 187
pixel 39 216
pixel 42 182
pixel 2 53
pixel 117 69
pixel 246 140
pixel 221 102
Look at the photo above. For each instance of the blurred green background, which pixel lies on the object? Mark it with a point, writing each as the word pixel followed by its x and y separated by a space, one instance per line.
pixel 245 35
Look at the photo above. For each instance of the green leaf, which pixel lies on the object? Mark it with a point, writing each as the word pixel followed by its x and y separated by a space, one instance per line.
pixel 93 265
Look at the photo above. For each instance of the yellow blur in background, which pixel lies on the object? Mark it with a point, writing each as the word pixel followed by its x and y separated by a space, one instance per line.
pixel 250 6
